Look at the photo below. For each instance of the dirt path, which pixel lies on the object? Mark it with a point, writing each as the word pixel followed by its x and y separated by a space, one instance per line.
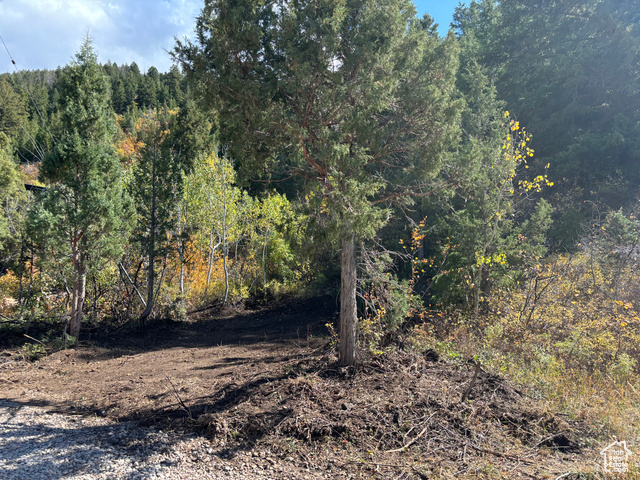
pixel 262 385
pixel 141 376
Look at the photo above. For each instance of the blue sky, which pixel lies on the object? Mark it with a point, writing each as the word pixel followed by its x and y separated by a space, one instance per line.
pixel 441 10
pixel 45 34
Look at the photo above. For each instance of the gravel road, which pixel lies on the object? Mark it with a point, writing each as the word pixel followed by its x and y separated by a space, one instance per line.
pixel 37 445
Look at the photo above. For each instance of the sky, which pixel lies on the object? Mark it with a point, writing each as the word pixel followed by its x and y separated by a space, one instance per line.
pixel 45 34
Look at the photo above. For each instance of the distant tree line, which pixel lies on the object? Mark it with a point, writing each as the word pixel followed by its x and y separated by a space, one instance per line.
pixel 32 98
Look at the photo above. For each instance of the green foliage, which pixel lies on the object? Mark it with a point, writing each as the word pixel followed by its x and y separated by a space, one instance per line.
pixel 13 110
pixel 491 228
pixel 386 307
pixel 85 207
pixel 12 196
pixel 386 300
pixel 275 230
pixel 162 147
pixel 33 351
pixel 355 95
pixel 156 183
pixel 219 208
pixel 570 70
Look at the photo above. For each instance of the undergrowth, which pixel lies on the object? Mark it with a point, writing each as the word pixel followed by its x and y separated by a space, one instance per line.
pixel 570 335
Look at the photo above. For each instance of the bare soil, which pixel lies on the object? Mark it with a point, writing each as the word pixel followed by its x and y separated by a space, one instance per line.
pixel 264 384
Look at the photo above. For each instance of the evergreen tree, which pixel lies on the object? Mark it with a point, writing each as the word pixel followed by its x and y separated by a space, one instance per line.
pixel 118 96
pixel 569 71
pixel 85 207
pixel 13 110
pixel 148 92
pixel 154 175
pixel 354 95
pixel 173 80
pixel 12 193
pixel 170 145
pixel 488 226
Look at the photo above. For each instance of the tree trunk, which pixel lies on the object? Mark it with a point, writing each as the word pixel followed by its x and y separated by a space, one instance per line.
pixel 226 275
pixel 152 243
pixel 212 250
pixel 182 275
pixel 79 289
pixel 264 268
pixel 151 278
pixel 348 308
pixel 225 248
pixel 181 248
pixel 22 262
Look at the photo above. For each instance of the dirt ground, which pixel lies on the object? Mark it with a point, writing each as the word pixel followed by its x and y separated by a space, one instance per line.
pixel 265 383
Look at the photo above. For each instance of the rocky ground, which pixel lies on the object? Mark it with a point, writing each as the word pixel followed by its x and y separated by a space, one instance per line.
pixel 36 444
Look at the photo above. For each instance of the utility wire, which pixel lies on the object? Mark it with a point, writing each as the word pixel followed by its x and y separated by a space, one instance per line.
pixel 39 153
pixel 26 88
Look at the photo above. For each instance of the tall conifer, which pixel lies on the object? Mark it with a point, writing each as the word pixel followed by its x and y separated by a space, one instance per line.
pixel 86 206
pixel 354 95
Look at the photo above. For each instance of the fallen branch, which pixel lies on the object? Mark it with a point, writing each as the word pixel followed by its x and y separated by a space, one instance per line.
pixel 389 465
pixel 565 475
pixel 180 402
pixel 132 284
pixel 401 449
pixel 34 339
pixel 498 454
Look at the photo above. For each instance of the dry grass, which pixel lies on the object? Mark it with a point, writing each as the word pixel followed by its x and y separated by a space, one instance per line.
pixel 601 406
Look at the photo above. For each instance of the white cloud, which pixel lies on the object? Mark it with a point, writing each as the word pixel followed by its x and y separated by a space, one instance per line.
pixel 47 33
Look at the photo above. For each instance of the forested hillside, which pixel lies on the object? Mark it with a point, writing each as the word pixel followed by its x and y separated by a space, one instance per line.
pixel 481 185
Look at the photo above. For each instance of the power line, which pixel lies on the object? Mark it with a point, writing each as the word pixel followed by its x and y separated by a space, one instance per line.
pixel 26 88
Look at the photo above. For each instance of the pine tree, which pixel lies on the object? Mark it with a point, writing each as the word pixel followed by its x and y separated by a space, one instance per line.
pixel 12 192
pixel 86 206
pixel 157 181
pixel 13 110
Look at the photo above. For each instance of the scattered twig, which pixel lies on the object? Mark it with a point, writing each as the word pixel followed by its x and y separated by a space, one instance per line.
pixel 564 475
pixel 498 454
pixel 403 448
pixel 551 437
pixel 373 463
pixel 180 401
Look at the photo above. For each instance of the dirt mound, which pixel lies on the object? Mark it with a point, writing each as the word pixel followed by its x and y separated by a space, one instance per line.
pixel 266 381
pixel 403 407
